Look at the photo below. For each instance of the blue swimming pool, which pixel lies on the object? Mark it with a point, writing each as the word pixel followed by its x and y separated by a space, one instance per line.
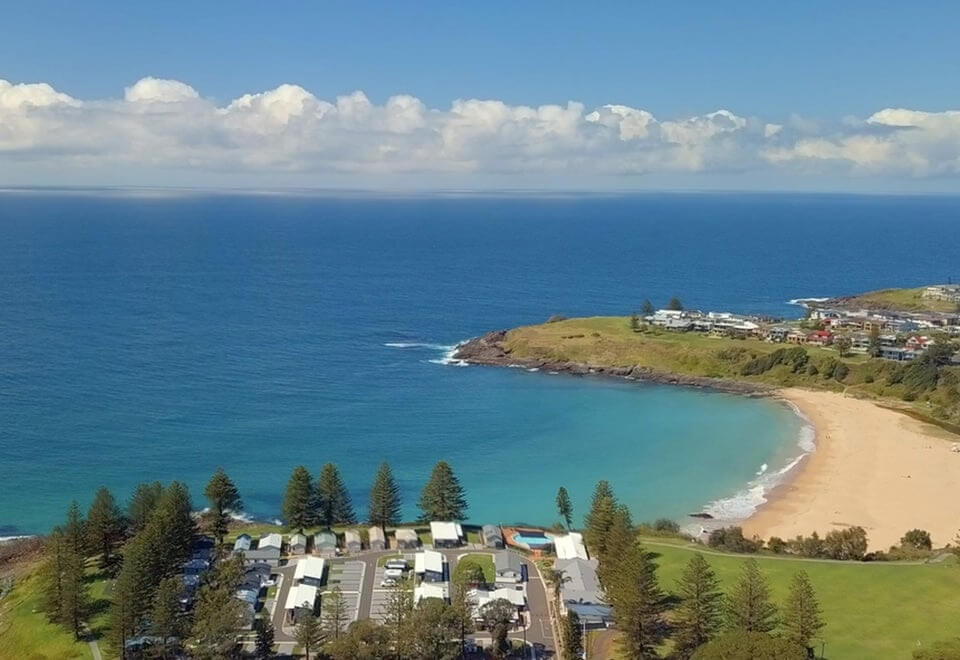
pixel 532 539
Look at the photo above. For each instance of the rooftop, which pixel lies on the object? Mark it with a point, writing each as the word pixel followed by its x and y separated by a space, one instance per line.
pixel 446 531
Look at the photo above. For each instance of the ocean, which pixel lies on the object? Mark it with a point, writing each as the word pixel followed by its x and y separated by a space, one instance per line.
pixel 149 335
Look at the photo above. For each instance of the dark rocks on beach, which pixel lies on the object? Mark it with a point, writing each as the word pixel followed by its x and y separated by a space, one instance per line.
pixel 490 350
pixel 705 516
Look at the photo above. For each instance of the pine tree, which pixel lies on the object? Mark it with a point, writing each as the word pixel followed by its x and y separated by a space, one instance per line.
pixel 801 616
pixel 334 616
pixel 398 610
pixel 443 497
pixel 748 606
pixel 51 576
pixel 104 526
pixel 333 503
pixel 75 603
pixel 620 537
pixel 647 308
pixel 572 635
pixel 178 530
pixel 638 604
pixel 224 498
pixel 142 503
pixel 564 507
pixel 265 635
pixel 308 633
pixel 384 499
pixel 298 499
pixel 165 621
pixel 218 614
pixel 599 519
pixel 675 304
pixel 698 616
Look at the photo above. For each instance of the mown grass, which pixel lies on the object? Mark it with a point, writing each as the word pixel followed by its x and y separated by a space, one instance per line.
pixel 872 610
pixel 485 561
pixel 901 299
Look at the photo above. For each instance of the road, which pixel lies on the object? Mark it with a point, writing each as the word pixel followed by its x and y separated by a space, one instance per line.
pixel 538 629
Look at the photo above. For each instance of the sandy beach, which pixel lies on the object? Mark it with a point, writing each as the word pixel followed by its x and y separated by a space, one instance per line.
pixel 873 467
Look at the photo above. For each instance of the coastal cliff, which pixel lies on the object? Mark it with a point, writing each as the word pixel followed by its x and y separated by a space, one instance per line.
pixel 492 349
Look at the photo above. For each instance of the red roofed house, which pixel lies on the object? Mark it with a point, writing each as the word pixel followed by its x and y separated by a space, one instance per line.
pixel 820 337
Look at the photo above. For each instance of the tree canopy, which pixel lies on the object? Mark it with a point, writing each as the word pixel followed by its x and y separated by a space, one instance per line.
pixel 384 498
pixel 333 505
pixel 443 497
pixel 298 499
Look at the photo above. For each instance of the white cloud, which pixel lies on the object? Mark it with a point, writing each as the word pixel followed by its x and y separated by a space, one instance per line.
pixel 167 125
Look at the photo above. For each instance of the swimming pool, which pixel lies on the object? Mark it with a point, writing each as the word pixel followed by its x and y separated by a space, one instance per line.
pixel 532 539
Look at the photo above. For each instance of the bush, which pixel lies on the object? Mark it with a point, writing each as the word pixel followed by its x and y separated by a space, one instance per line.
pixel 918 539
pixel 731 539
pixel 795 357
pixel 666 526
pixel 850 543
pixel 807 546
pixel 777 545
pixel 743 645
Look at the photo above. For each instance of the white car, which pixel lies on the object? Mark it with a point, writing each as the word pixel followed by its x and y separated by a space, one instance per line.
pixel 393 574
pixel 388 582
pixel 397 563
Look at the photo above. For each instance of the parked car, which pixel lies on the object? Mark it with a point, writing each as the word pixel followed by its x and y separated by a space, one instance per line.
pixel 398 564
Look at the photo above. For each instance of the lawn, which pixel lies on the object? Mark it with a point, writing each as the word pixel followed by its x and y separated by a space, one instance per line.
pixel 25 631
pixel 872 610
pixel 484 560
pixel 904 299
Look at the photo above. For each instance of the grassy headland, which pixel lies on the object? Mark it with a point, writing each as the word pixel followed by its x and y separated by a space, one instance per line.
pixel 610 345
pixel 905 300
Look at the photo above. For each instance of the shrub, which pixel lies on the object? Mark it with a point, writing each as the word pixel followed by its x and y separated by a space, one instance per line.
pixel 850 543
pixel 732 539
pixel 665 525
pixel 777 545
pixel 918 539
pixel 743 645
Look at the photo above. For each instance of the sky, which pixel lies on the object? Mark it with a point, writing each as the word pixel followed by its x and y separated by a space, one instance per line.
pixel 633 95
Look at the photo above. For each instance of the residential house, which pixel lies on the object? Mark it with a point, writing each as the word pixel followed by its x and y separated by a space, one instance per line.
pixel 581 592
pixel 446 534
pixel 351 541
pixel 267 550
pixel 492 536
pixel 778 333
pixel 406 539
pixel 899 353
pixel 298 544
pixel 859 343
pixel 309 570
pixel 301 598
pixel 440 590
pixel 325 543
pixel 482 597
pixel 378 540
pixel 946 292
pixel 431 566
pixel 796 336
pixel 820 338
pixel 570 546
pixel 242 544
pixel 916 343
pixel 508 568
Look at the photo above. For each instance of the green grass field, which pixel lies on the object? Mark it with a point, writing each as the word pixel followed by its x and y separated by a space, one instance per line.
pixel 484 560
pixel 25 632
pixel 900 299
pixel 872 610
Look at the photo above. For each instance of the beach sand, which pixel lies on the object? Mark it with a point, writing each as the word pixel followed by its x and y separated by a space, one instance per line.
pixel 873 467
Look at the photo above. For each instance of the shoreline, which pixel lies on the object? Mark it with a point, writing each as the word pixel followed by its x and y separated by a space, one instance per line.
pixel 870 465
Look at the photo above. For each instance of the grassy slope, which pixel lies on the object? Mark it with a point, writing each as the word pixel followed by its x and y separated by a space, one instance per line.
pixel 609 341
pixel 909 300
pixel 872 610
pixel 486 563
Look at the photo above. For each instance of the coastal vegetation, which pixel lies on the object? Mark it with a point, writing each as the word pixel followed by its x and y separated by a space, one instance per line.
pixel 928 386
pixel 907 300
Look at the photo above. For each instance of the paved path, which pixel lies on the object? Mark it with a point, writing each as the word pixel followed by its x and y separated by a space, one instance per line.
pixel 95 650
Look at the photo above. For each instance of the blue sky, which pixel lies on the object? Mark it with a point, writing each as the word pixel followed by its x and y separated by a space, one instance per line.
pixel 780 63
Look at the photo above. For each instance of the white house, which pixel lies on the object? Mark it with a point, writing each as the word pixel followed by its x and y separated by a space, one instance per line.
pixel 481 597
pixel 309 570
pixel 439 590
pixel 406 539
pixel 430 566
pixel 298 544
pixel 301 598
pixel 271 541
pixel 446 534
pixel 570 546
pixel 351 540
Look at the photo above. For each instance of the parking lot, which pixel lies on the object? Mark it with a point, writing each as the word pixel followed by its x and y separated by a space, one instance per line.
pixel 348 576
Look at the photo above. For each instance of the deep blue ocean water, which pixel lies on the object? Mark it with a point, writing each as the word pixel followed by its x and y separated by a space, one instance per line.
pixel 158 336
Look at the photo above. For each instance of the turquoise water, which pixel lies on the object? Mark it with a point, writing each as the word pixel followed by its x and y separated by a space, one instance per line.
pixel 531 540
pixel 157 338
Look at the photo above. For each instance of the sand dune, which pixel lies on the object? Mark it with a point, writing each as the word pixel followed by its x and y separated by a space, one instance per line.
pixel 873 467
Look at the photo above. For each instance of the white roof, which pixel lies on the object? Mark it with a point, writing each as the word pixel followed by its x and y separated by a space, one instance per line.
pixel 481 596
pixel 351 535
pixel 406 534
pixel 300 594
pixel 570 546
pixel 309 567
pixel 446 531
pixel 298 539
pixel 428 560
pixel 375 533
pixel 270 541
pixel 431 590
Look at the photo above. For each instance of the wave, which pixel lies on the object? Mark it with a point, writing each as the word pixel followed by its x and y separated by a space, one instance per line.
pixel 414 344
pixel 802 302
pixel 745 502
pixel 448 359
pixel 8 539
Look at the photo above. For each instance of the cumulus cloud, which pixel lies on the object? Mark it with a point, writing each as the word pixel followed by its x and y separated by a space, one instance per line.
pixel 168 124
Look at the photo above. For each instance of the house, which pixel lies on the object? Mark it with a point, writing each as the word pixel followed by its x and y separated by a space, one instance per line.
pixel 298 544
pixel 424 590
pixel 430 566
pixel 325 543
pixel 242 544
pixel 916 343
pixel 481 597
pixel 492 536
pixel 351 541
pixel 859 343
pixel 301 598
pixel 267 550
pixel 570 546
pixel 508 568
pixel 378 540
pixel 820 338
pixel 581 592
pixel 446 534
pixel 778 333
pixel 898 353
pixel 249 598
pixel 796 336
pixel 406 539
pixel 946 292
pixel 309 570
